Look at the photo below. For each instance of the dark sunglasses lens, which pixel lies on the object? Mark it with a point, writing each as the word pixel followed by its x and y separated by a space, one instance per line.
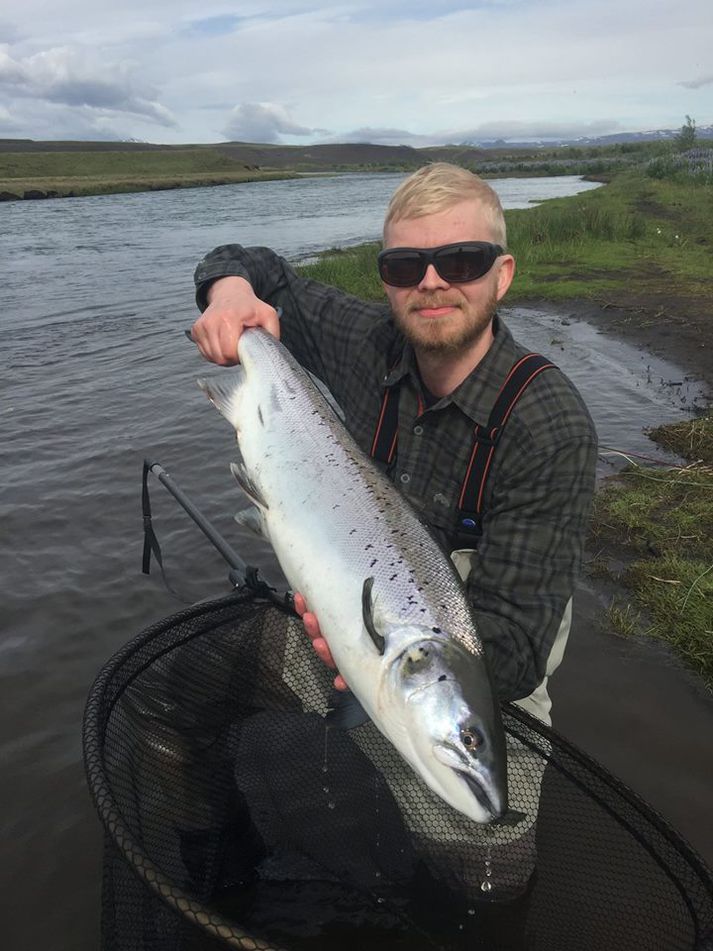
pixel 462 265
pixel 402 268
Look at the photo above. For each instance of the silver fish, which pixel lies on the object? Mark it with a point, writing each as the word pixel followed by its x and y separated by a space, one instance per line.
pixel 390 603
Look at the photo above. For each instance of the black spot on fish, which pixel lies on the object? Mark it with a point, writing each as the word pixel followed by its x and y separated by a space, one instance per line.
pixel 374 561
pixel 442 678
pixel 393 577
pixel 436 630
pixel 259 416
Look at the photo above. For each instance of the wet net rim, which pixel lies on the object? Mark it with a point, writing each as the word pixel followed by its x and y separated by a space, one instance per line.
pixel 96 715
pixel 674 839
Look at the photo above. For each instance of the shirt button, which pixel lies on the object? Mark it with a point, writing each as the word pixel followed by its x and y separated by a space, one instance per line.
pixel 405 477
pixel 418 430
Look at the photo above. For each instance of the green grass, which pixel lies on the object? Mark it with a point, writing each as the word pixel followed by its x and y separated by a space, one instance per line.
pixel 106 172
pixel 660 521
pixel 351 269
pixel 635 227
pixel 101 164
pixel 589 246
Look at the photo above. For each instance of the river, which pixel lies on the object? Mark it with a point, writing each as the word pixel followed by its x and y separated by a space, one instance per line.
pixel 96 375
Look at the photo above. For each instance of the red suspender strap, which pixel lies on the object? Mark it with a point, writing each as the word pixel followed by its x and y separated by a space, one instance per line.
pixel 383 446
pixel 468 526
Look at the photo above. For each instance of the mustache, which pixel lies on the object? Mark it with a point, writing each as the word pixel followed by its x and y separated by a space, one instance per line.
pixel 431 300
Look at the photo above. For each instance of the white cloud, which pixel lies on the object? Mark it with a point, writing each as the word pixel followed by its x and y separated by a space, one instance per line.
pixel 73 78
pixel 173 71
pixel 262 122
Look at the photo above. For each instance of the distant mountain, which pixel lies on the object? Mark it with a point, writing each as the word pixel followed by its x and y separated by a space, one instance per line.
pixel 655 135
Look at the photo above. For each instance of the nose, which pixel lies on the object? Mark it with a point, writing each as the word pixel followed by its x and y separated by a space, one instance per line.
pixel 432 280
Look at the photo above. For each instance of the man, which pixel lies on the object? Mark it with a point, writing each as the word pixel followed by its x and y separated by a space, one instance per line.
pixel 441 347
pixel 415 380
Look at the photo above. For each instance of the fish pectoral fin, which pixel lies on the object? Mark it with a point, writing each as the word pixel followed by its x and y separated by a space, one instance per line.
pixel 345 711
pixel 251 518
pixel 247 485
pixel 367 612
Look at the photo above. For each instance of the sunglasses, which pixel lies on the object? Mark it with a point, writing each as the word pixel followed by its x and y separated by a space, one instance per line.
pixel 456 263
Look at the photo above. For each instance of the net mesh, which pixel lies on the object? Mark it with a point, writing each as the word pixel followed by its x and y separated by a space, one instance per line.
pixel 234 817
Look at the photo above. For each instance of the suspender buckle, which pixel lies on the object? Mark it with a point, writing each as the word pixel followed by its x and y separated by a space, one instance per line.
pixel 487 438
pixel 468 529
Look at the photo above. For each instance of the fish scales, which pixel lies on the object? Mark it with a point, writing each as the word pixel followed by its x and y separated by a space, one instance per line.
pixel 383 536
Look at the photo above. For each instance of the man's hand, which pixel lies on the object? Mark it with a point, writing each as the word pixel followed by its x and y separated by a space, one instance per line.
pixel 232 306
pixel 318 642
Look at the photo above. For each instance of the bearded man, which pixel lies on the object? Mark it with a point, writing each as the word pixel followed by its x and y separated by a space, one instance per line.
pixel 493 446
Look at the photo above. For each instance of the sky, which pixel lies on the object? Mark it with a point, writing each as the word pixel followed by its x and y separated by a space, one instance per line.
pixel 299 72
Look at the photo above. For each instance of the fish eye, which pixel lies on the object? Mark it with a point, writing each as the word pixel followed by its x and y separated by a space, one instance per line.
pixel 470 739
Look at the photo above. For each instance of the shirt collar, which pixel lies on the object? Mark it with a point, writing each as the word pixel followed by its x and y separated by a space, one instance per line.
pixel 476 395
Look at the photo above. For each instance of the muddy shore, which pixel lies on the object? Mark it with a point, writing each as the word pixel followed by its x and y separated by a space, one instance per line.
pixel 679 329
pixel 630 702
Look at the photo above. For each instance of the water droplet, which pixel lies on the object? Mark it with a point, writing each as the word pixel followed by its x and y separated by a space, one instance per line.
pixel 380 900
pixel 325 788
pixel 471 911
pixel 331 805
pixel 486 886
pixel 377 874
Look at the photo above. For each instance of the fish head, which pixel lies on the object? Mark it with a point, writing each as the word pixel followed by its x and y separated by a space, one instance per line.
pixel 455 730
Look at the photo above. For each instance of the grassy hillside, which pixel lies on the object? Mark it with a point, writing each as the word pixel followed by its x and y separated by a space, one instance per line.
pixel 98 172
pixel 64 168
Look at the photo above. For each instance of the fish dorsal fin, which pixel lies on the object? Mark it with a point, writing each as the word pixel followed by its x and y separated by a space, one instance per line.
pixel 367 611
pixel 247 485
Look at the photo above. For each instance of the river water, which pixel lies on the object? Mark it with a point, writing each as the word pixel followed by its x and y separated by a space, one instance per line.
pixel 97 374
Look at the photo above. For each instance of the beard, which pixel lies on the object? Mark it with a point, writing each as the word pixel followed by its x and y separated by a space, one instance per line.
pixel 449 335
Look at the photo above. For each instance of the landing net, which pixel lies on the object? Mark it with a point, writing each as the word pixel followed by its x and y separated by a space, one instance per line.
pixel 235 819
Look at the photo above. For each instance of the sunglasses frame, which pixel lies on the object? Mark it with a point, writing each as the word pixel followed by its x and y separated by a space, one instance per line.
pixel 428 256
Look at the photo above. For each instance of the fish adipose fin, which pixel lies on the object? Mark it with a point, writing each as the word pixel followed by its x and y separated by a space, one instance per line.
pixel 247 485
pixel 367 611
pixel 251 519
pixel 223 392
pixel 345 711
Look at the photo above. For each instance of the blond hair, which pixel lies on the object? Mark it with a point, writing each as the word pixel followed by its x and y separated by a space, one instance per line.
pixel 438 187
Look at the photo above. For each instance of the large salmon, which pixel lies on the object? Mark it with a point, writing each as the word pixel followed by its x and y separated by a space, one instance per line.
pixel 390 603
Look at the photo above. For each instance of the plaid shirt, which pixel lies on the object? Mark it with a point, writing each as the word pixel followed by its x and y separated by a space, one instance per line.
pixel 541 482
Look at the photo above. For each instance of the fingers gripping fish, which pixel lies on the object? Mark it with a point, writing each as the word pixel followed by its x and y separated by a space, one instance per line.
pixel 390 604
